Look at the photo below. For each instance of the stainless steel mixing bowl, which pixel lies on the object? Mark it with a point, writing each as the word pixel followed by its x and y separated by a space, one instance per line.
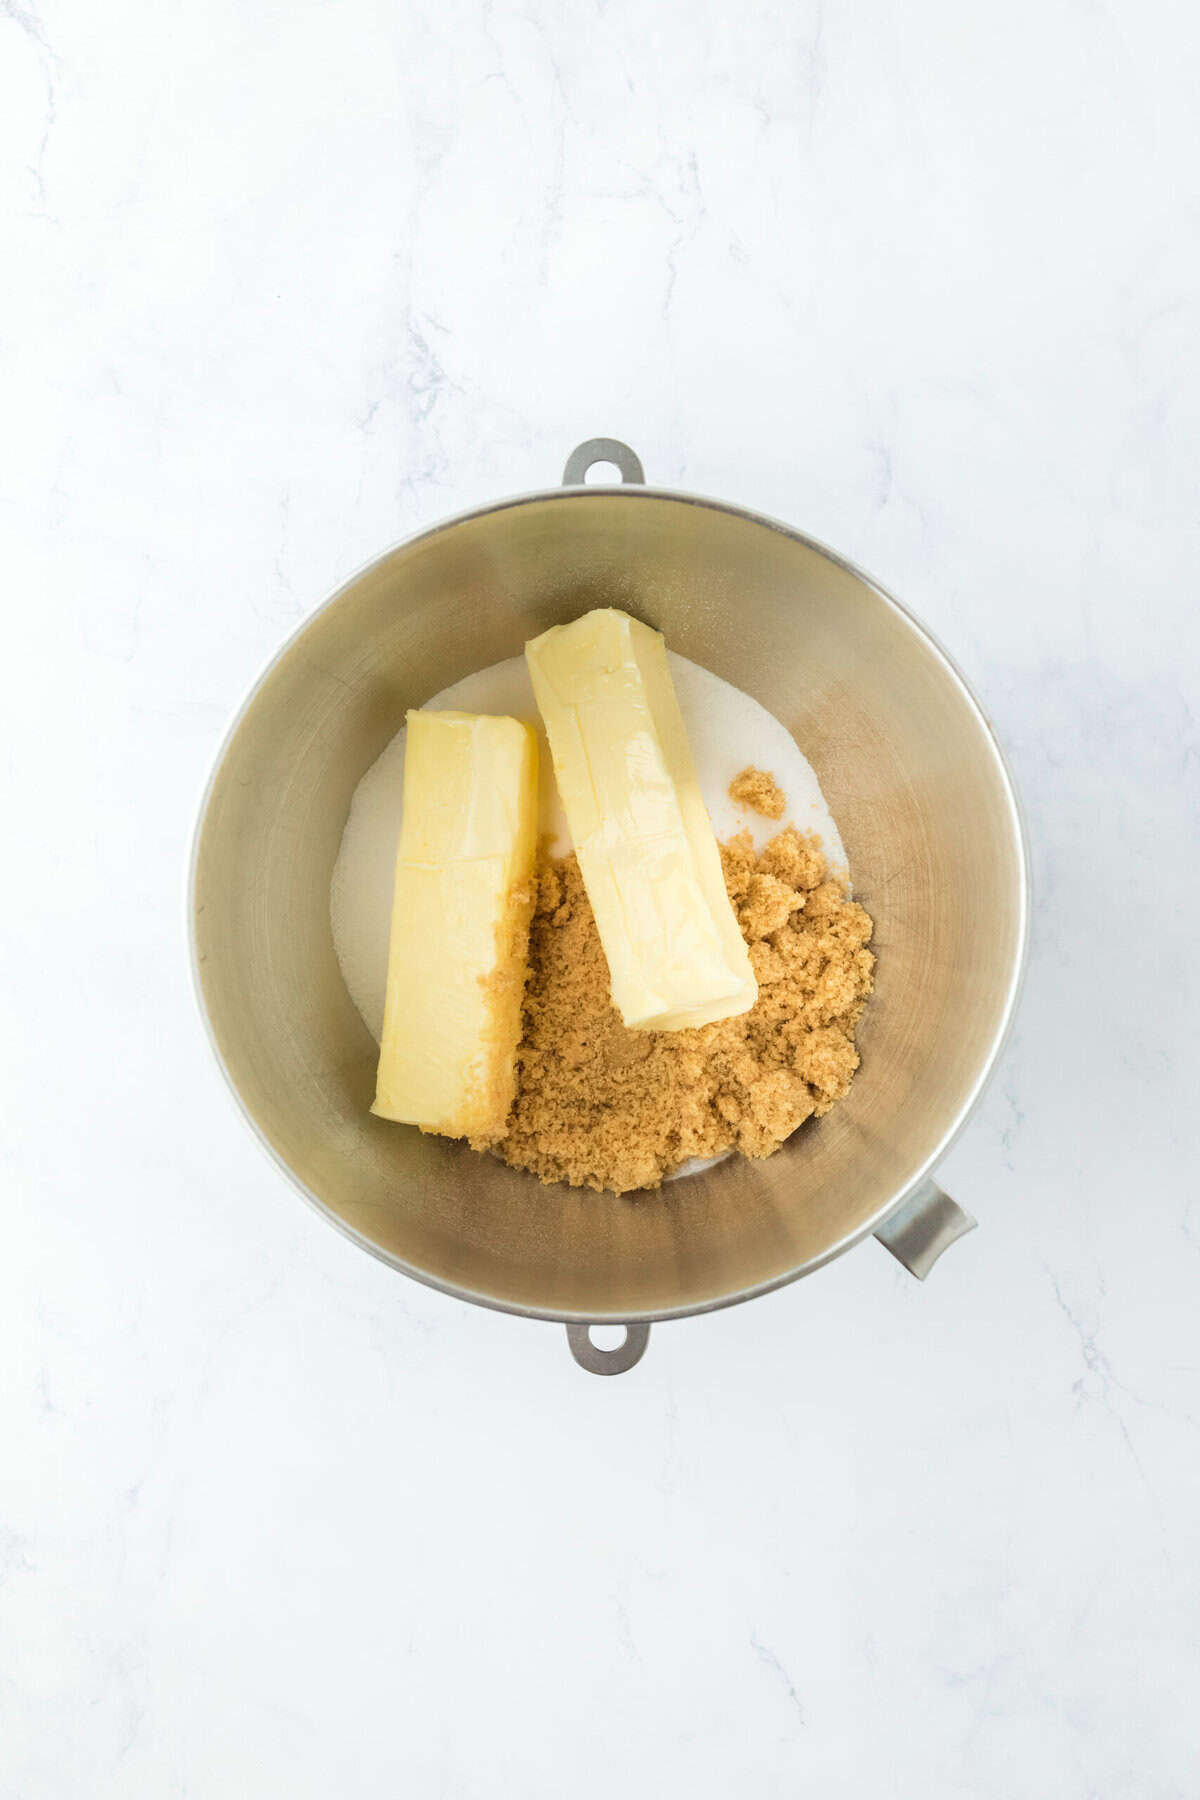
pixel 913 777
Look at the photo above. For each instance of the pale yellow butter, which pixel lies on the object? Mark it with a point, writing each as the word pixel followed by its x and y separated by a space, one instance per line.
pixel 649 860
pixel 461 906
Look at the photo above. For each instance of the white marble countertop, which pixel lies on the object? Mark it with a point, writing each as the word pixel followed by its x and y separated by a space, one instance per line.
pixel 282 283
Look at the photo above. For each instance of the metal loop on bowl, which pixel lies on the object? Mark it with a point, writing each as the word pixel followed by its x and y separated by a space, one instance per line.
pixel 596 1361
pixel 600 450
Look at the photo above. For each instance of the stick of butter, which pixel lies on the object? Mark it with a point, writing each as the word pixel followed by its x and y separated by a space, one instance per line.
pixel 646 850
pixel 461 908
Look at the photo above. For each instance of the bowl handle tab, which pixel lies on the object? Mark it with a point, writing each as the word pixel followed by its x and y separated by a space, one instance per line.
pixel 598 450
pixel 596 1361
pixel 928 1223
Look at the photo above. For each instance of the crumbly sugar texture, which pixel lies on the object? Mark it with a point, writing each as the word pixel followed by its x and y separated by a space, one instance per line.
pixel 600 1106
pixel 759 791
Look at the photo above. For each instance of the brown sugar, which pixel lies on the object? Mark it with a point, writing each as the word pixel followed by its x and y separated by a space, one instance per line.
pixel 604 1107
pixel 759 791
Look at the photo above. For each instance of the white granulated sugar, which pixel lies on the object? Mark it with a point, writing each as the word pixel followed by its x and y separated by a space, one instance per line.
pixel 727 729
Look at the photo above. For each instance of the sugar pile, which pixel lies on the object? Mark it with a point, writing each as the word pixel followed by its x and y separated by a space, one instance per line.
pixel 727 728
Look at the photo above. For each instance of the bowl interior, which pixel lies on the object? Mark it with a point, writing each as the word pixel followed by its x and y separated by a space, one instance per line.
pixel 910 772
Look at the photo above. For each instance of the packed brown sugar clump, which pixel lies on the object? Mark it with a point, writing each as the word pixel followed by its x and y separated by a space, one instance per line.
pixel 756 789
pixel 601 1106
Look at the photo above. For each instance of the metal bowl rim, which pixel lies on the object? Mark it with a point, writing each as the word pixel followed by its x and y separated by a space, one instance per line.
pixel 633 493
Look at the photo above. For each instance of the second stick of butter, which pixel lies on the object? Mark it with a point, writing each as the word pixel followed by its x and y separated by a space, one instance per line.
pixel 460 924
pixel 645 843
